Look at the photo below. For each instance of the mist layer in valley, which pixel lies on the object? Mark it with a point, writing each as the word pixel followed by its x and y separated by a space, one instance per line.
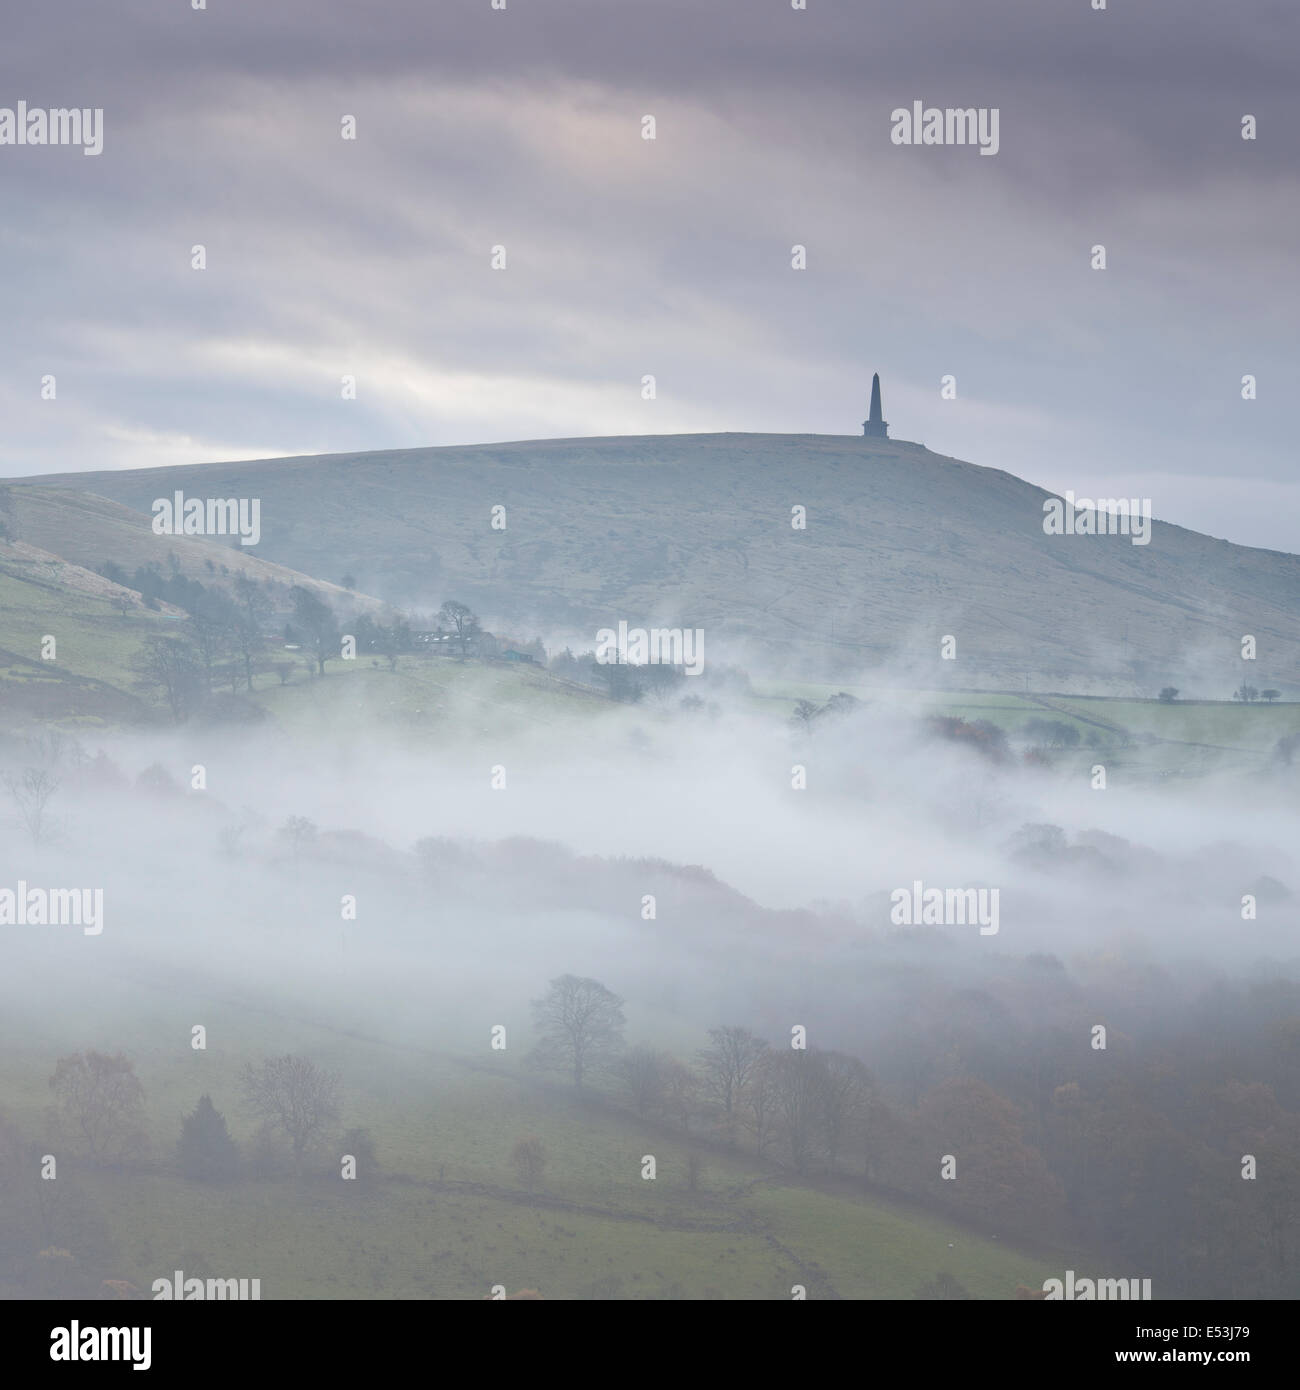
pixel 947 917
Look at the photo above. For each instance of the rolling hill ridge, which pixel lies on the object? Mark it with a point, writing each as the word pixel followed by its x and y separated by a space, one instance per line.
pixel 901 548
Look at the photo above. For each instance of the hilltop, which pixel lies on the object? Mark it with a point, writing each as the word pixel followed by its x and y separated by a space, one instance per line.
pixel 902 547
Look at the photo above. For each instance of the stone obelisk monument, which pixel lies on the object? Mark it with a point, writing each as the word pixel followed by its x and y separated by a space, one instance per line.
pixel 875 427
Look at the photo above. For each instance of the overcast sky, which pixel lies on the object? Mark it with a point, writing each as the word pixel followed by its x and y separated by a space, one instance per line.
pixel 671 257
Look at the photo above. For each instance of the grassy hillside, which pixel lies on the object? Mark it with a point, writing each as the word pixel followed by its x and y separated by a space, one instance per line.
pixel 449 1218
pixel 902 546
pixel 432 700
pixel 90 680
pixel 1143 738
pixel 84 530
pixel 427 699
pixel 99 629
pixel 58 535
pixel 92 684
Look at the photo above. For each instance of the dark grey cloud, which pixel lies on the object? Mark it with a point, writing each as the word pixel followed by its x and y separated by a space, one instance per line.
pixel 522 128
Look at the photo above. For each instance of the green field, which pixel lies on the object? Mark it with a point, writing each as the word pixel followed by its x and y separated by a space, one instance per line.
pixel 92 683
pixel 1146 738
pixel 448 1218
pixel 424 694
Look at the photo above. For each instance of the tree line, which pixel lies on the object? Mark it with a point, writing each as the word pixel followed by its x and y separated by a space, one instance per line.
pixel 1146 1159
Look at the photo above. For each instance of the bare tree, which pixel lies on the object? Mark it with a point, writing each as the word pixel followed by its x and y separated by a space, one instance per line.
pixel 529 1161
pixel 392 641
pixel 579 1024
pixel 803 714
pixel 31 790
pixel 171 664
pixel 643 1072
pixel 315 621
pixel 727 1064
pixel 295 1095
pixel 102 1099
pixel 210 625
pixel 877 1123
pixel 50 748
pixel 246 635
pixel 758 1101
pixel 680 1091
pixel 847 1089
pixel 461 620
pixel 299 833
pixel 800 1083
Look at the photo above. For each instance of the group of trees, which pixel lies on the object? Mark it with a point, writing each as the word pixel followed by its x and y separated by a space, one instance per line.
pixel 804 1107
pixel 631 683
pixel 1052 733
pixel 54 1242
pixel 1248 694
pixel 620 680
pixel 223 641
pixel 101 1105
pixel 1137 1152
pixel 1044 736
pixel 376 640
pixel 156 587
pixel 37 767
pixel 455 620
pixel 981 735
pixel 226 637
pixel 806 713
pixel 1142 1159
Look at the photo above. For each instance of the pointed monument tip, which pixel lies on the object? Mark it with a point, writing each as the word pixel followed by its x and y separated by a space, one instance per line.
pixel 874 425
